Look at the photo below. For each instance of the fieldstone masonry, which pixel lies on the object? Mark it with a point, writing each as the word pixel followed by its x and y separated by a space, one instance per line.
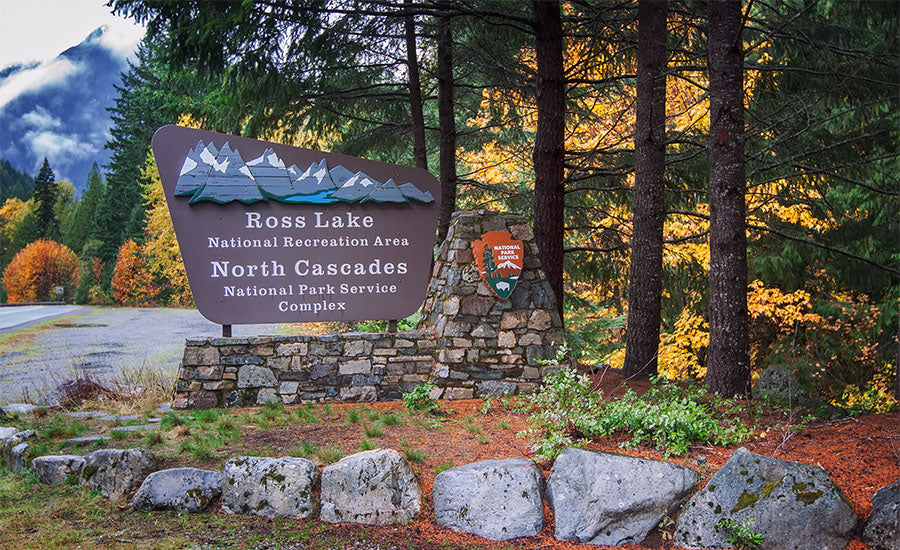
pixel 468 342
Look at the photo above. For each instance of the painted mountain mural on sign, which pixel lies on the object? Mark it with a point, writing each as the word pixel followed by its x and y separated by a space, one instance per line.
pixel 222 176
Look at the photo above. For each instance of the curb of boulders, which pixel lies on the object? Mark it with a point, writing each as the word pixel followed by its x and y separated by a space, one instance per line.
pixel 595 497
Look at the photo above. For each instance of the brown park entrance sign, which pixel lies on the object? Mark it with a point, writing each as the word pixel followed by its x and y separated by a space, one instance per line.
pixel 273 233
pixel 499 260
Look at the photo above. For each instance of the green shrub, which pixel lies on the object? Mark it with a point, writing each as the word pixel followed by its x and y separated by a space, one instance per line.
pixel 566 410
pixel 672 417
pixel 419 398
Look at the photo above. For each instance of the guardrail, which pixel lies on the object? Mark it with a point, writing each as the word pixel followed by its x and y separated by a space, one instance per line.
pixel 20 304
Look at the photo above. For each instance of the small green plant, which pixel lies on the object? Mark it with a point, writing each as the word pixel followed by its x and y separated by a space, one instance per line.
pixel 502 425
pixel 391 419
pixel 152 439
pixel 414 455
pixel 419 398
pixel 471 425
pixel 563 411
pixel 306 415
pixel 303 449
pixel 118 435
pixel 366 445
pixel 171 420
pixel 352 416
pixel 373 430
pixel 740 534
pixel 672 417
pixel 329 454
pixel 483 439
pixel 201 447
pixel 443 466
pixel 487 404
pixel 372 414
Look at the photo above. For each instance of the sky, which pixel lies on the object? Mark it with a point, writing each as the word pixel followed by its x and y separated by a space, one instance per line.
pixel 37 30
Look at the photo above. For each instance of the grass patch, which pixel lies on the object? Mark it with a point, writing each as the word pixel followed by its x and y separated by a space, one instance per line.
pixel 443 466
pixel 329 454
pixel 391 419
pixel 373 430
pixel 471 425
pixel 415 456
pixel 366 445
pixel 303 449
pixel 353 417
pixel 483 439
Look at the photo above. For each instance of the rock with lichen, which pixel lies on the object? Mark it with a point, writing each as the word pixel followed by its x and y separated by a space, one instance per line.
pixel 183 490
pixel 882 531
pixel 116 472
pixel 372 487
pixel 790 506
pixel 269 487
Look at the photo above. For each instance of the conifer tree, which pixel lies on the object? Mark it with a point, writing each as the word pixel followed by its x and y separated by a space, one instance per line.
pixel 82 220
pixel 45 192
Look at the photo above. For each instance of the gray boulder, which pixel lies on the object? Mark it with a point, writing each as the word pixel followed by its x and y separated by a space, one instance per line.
pixel 494 499
pixel 116 473
pixel 606 498
pixel 7 432
pixel 373 487
pixel 183 490
pixel 778 383
pixel 269 487
pixel 14 448
pixel 18 408
pixel 792 506
pixel 882 531
pixel 54 469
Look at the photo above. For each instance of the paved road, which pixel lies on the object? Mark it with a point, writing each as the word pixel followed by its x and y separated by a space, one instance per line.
pixel 16 317
pixel 102 341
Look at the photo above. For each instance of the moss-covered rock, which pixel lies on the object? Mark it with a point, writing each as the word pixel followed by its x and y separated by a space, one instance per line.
pixel 793 506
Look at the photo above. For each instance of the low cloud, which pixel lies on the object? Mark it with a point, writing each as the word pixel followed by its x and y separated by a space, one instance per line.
pixel 63 149
pixel 48 72
pixel 40 119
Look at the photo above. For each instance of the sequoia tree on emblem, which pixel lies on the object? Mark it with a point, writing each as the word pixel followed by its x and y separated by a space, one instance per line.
pixel 499 260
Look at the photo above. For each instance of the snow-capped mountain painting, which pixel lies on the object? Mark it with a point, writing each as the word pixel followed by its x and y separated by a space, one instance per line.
pixel 222 176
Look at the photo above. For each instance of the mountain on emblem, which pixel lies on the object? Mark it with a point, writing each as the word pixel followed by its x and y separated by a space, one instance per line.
pixel 222 176
pixel 499 260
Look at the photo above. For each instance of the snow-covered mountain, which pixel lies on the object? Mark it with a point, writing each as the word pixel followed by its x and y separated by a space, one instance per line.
pixel 57 108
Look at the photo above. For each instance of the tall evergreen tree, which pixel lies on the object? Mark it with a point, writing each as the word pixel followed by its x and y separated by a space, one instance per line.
pixel 645 281
pixel 82 221
pixel 549 143
pixel 728 368
pixel 45 194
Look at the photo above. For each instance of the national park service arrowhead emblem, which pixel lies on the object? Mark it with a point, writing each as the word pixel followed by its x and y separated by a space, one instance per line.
pixel 499 260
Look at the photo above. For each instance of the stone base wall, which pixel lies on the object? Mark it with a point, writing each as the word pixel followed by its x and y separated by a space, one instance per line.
pixel 469 342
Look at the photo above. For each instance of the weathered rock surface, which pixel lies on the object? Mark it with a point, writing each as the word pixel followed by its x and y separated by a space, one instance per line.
pixel 116 473
pixel 778 383
pixel 495 499
pixel 269 487
pixel 7 432
pixel 606 498
pixel 14 448
pixel 882 531
pixel 54 469
pixel 373 487
pixel 793 506
pixel 184 490
pixel 18 408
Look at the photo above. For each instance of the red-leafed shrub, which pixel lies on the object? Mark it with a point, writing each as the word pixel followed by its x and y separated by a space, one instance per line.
pixel 132 283
pixel 38 269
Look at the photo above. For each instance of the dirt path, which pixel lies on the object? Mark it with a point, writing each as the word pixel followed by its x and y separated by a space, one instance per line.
pixel 104 342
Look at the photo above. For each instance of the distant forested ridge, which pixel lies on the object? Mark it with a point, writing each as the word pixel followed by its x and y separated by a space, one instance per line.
pixel 14 184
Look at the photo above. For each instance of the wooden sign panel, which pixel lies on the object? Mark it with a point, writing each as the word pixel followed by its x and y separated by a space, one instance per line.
pixel 499 260
pixel 273 233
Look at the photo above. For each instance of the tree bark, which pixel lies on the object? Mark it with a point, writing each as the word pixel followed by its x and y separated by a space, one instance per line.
pixel 728 367
pixel 549 143
pixel 645 281
pixel 447 124
pixel 415 90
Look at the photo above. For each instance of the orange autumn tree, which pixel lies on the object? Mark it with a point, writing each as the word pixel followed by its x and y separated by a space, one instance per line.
pixel 38 269
pixel 132 283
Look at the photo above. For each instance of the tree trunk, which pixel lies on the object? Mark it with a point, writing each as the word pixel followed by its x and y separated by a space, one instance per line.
pixel 645 282
pixel 415 90
pixel 728 367
pixel 549 143
pixel 447 124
